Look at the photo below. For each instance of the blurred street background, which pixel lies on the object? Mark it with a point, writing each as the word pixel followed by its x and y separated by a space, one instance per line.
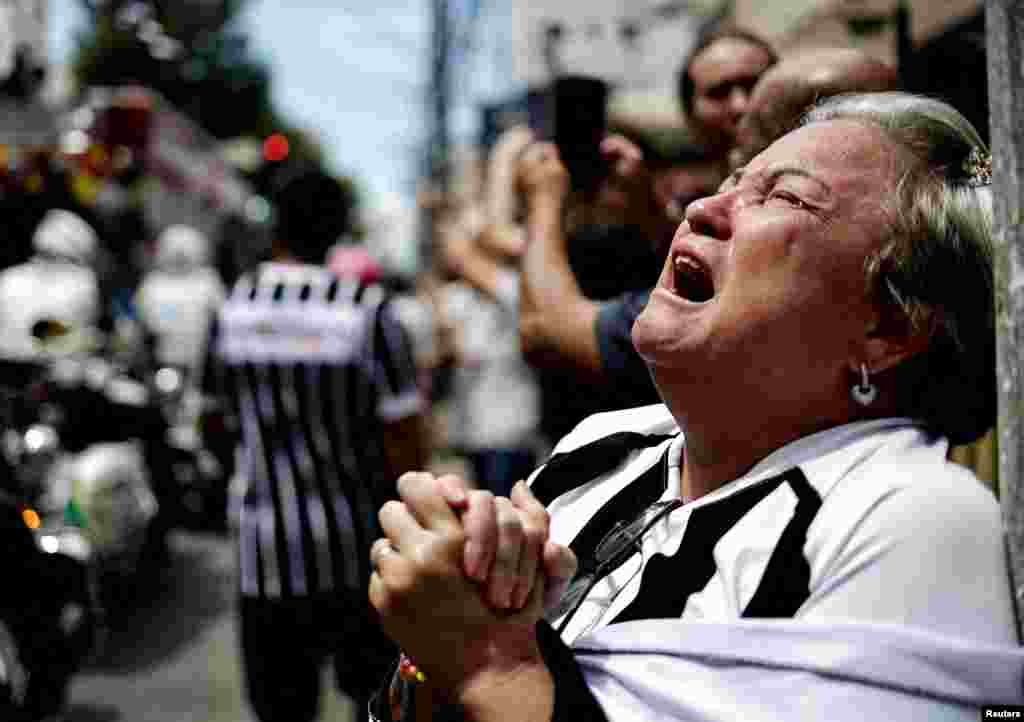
pixel 172 656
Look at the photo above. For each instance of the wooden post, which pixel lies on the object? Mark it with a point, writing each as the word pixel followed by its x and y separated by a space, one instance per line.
pixel 1004 27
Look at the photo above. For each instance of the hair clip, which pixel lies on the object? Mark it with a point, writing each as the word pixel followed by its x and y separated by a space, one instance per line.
pixel 978 168
pixel 409 671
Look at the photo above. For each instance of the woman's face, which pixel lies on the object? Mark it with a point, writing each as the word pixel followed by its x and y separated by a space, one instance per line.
pixel 763 292
pixel 724 74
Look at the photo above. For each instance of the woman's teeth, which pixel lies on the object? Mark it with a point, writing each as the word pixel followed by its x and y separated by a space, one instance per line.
pixel 692 280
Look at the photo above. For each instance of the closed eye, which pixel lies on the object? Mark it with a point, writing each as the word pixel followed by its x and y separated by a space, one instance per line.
pixel 789 198
pixel 719 92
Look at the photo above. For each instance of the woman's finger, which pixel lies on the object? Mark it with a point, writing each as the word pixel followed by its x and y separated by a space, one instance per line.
pixel 536 529
pixel 455 490
pixel 419 491
pixel 383 553
pixel 378 595
pixel 478 520
pixel 391 573
pixel 400 526
pixel 480 523
pixel 378 549
pixel 559 568
pixel 387 561
pixel 533 605
pixel 529 562
pixel 523 499
pixel 536 522
pixel 559 561
pixel 505 572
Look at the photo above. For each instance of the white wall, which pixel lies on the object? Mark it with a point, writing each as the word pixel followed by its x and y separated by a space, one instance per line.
pixel 593 43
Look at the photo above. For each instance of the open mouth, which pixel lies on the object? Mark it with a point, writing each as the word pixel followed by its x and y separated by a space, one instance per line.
pixel 692 279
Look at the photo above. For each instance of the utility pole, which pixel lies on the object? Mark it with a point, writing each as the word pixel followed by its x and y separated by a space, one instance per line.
pixel 1004 26
pixel 438 143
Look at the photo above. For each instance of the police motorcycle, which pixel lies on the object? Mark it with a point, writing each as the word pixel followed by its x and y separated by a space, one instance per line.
pixel 194 472
pixel 76 441
pixel 99 421
pixel 50 617
pixel 174 305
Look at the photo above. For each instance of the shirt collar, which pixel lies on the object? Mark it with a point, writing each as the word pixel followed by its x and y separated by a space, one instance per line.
pixel 824 457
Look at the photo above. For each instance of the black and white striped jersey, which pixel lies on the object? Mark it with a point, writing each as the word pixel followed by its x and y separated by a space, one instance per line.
pixel 818 530
pixel 855 564
pixel 313 365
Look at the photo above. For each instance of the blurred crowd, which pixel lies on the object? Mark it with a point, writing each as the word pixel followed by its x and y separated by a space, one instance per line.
pixel 544 263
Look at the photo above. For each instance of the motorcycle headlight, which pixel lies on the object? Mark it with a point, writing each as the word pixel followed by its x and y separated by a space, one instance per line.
pixel 41 439
pixel 168 381
pixel 38 447
pixel 67 541
pixel 49 543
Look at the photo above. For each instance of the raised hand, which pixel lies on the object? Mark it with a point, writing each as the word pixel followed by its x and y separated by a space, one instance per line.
pixel 542 176
pixel 632 176
pixel 625 159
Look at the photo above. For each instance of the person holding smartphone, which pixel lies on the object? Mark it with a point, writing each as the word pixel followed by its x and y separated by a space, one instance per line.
pixel 595 234
pixel 597 228
pixel 580 334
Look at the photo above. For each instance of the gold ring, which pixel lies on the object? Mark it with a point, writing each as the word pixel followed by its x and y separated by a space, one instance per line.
pixel 380 549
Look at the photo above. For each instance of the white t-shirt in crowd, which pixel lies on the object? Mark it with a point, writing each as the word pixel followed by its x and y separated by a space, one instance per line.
pixel 417 319
pixel 495 400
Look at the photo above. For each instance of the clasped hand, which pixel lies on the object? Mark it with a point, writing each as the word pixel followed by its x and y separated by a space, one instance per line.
pixel 462 576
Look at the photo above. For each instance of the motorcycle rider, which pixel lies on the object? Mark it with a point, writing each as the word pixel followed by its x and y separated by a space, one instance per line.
pixel 177 299
pixel 50 304
pixel 50 310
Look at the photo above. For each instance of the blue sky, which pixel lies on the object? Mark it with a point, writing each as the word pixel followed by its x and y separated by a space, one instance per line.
pixel 351 72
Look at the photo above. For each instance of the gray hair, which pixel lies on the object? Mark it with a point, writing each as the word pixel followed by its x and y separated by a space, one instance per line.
pixel 934 268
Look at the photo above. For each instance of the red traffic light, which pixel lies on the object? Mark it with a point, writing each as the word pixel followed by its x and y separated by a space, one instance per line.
pixel 275 147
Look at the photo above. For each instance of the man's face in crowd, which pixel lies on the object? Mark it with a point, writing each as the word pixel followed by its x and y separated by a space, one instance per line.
pixel 774 108
pixel 724 74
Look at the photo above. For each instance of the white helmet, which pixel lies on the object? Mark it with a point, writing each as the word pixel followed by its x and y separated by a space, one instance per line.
pixel 62 233
pixel 181 248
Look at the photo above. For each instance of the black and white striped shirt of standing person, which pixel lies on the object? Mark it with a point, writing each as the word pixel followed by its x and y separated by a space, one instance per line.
pixel 317 369
pixel 321 379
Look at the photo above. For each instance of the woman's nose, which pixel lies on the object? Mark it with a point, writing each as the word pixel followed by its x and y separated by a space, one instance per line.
pixel 710 216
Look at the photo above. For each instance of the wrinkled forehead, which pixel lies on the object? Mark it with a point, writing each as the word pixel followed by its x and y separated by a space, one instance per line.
pixel 852 158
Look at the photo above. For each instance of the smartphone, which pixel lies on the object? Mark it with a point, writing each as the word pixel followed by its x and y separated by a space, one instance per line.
pixel 579 121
